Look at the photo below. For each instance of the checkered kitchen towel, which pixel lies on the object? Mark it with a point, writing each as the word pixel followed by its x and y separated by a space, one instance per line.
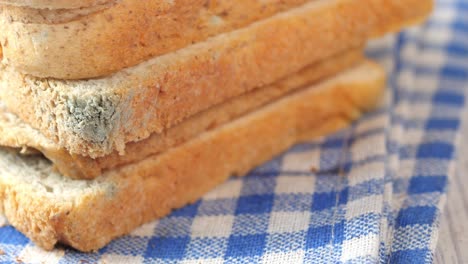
pixel 376 195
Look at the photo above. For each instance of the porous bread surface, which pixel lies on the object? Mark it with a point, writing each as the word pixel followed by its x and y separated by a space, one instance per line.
pixel 13 133
pixel 88 214
pixel 55 4
pixel 26 15
pixel 103 39
pixel 97 116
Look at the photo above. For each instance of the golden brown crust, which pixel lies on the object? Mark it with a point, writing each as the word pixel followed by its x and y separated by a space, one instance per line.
pixel 127 33
pixel 175 86
pixel 13 134
pixel 151 188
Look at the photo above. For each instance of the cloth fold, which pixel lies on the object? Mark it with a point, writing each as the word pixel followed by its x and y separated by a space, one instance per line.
pixel 371 193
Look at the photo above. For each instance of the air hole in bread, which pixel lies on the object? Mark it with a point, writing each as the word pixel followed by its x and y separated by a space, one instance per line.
pixel 37 229
pixel 49 189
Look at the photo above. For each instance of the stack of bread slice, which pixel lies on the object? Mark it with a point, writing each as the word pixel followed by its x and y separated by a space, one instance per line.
pixel 115 112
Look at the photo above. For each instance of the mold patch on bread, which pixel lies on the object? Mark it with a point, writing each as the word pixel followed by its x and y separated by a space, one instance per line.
pixel 92 117
pixel 75 114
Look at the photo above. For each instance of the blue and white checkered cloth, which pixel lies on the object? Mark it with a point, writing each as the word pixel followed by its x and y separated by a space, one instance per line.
pixel 377 195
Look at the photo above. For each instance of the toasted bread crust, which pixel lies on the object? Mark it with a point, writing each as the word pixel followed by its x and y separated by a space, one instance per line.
pixel 68 46
pixel 151 188
pixel 175 86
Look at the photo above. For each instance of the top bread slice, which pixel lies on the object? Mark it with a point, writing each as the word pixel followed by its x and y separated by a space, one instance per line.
pixel 98 116
pixel 87 214
pixel 102 39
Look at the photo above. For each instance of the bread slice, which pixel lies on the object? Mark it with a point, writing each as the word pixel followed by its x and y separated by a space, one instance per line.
pixel 97 116
pixel 77 166
pixel 118 34
pixel 87 214
pixel 102 39
pixel 138 29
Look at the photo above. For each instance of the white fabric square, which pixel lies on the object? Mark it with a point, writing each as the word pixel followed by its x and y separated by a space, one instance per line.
pixel 372 146
pixel 429 84
pixel 360 247
pixel 412 136
pixel 444 15
pixel 212 226
pixel 420 111
pixel 121 259
pixel 435 58
pixel 295 184
pixel 280 258
pixel 288 222
pixel 300 161
pixel 438 36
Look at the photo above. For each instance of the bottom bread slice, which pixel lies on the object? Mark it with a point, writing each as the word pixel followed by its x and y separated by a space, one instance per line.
pixel 88 214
